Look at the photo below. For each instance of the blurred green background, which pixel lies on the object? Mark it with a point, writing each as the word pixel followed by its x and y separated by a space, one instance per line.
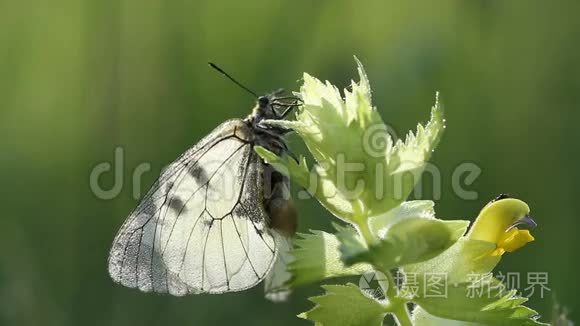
pixel 80 77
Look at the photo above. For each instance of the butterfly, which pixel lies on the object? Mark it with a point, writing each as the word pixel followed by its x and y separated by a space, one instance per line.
pixel 219 218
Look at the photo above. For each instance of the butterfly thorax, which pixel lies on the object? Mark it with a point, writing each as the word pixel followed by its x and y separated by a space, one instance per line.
pixel 276 187
pixel 267 135
pixel 263 110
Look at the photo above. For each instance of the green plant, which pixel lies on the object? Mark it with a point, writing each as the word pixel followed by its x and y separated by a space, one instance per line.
pixel 363 178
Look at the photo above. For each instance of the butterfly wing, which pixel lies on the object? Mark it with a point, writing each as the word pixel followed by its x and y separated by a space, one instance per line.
pixel 275 288
pixel 283 222
pixel 202 227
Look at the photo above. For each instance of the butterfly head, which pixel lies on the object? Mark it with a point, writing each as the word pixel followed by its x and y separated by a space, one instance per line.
pixel 274 106
pixel 264 101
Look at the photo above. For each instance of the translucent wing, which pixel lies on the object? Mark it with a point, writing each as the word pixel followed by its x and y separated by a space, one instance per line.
pixel 275 287
pixel 202 228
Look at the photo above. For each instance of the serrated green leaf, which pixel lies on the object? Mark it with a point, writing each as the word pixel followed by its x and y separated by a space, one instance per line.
pixel 316 257
pixel 465 257
pixel 350 132
pixel 409 209
pixel 286 165
pixel 409 241
pixel 351 243
pixel 483 300
pixel 406 160
pixel 422 318
pixel 345 305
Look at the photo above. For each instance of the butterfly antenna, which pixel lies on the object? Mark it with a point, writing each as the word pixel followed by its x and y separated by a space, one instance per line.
pixel 220 70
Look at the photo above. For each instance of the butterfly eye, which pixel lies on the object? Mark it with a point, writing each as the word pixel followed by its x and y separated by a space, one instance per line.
pixel 263 101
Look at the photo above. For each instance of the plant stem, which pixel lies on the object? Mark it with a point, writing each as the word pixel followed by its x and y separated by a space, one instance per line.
pixel 397 305
pixel 402 315
pixel 361 220
pixel 391 286
pixel 366 232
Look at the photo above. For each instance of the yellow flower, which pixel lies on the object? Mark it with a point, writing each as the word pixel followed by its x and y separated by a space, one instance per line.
pixel 497 223
pixel 512 240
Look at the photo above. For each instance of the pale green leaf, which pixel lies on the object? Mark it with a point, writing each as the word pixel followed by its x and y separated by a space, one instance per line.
pixel 482 300
pixel 409 241
pixel 286 165
pixel 422 318
pixel 345 305
pixel 406 160
pixel 409 209
pixel 351 243
pixel 316 257
pixel 464 258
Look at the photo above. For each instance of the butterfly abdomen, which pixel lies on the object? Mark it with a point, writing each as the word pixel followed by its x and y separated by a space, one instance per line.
pixel 278 202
